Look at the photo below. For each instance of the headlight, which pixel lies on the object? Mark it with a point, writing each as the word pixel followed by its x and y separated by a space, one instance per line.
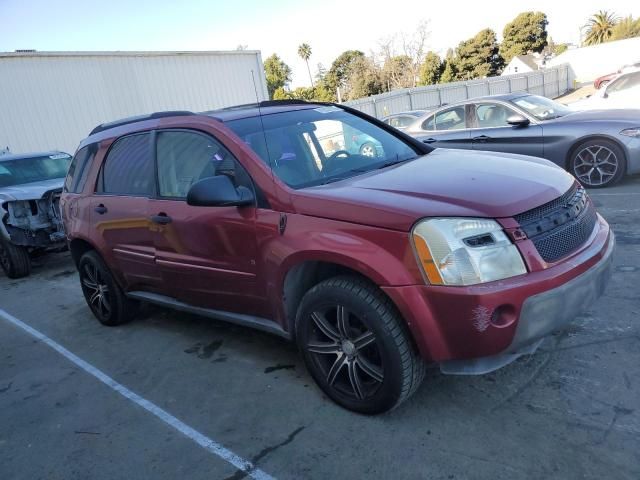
pixel 465 251
pixel 631 132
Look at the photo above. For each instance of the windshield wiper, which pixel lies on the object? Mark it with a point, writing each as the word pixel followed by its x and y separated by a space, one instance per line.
pixel 394 162
pixel 364 169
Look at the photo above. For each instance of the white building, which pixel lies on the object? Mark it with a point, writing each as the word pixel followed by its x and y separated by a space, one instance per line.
pixel 524 64
pixel 52 100
pixel 589 63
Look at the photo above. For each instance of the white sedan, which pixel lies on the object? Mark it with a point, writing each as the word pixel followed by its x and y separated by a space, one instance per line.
pixel 622 92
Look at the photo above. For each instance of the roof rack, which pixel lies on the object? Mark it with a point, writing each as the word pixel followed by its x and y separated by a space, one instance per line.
pixel 275 103
pixel 262 104
pixel 139 118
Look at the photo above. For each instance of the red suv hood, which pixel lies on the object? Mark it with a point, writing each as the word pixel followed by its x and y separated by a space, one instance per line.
pixel 443 183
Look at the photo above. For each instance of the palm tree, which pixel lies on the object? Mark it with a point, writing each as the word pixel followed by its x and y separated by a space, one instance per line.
pixel 628 27
pixel 600 27
pixel 304 51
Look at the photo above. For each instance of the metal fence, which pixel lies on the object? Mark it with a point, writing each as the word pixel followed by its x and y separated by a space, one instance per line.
pixel 551 82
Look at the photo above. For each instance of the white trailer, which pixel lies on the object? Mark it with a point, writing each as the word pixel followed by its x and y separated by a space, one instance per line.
pixel 52 100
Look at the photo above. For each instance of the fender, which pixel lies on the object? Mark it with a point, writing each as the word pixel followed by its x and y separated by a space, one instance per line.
pixel 383 256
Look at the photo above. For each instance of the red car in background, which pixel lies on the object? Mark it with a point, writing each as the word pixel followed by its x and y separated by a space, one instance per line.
pixel 603 80
pixel 373 265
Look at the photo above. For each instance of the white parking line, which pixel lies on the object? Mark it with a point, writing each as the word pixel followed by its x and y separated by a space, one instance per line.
pixel 205 442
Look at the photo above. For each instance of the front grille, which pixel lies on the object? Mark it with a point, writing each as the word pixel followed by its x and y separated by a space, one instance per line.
pixel 538 212
pixel 561 226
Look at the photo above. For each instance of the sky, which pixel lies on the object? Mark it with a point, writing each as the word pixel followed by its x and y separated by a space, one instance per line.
pixel 276 26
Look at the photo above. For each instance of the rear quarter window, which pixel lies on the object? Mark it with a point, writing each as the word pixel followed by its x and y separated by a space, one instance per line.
pixel 79 169
pixel 428 124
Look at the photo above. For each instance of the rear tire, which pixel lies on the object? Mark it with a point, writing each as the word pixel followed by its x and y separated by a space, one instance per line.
pixel 597 163
pixel 14 259
pixel 356 345
pixel 104 297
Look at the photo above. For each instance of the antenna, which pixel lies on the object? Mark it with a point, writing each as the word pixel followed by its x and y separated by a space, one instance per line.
pixel 255 89
pixel 264 134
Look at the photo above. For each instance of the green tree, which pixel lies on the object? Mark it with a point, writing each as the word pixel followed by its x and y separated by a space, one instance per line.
pixel 449 72
pixel 525 33
pixel 278 74
pixel 600 27
pixel 365 79
pixel 354 74
pixel 304 52
pixel 431 69
pixel 316 94
pixel 628 27
pixel 555 48
pixel 397 72
pixel 560 48
pixel 341 70
pixel 478 57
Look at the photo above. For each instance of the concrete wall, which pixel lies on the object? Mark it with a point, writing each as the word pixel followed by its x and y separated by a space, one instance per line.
pixel 589 63
pixel 52 100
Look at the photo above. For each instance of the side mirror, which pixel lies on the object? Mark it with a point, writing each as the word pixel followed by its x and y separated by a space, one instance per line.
pixel 218 191
pixel 518 121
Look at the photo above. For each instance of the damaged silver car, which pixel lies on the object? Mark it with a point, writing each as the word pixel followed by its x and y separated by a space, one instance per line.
pixel 30 188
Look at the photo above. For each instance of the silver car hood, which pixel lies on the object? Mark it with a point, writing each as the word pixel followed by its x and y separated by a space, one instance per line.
pixel 30 191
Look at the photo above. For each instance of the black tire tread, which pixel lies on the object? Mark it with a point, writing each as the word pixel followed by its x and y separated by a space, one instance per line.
pixel 413 366
pixel 19 261
pixel 125 308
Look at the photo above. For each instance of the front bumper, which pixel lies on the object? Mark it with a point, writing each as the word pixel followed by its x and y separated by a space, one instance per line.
pixel 633 155
pixel 543 314
pixel 479 328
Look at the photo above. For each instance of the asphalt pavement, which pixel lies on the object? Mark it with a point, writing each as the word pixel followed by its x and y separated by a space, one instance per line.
pixel 172 395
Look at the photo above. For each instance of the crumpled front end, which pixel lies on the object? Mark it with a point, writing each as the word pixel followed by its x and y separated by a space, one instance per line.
pixel 33 223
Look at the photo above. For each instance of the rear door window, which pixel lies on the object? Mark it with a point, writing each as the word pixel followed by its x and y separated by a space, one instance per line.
pixel 128 168
pixel 451 119
pixel 401 122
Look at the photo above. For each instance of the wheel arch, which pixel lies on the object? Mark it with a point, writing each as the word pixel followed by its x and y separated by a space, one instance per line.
pixel 302 275
pixel 587 138
pixel 80 246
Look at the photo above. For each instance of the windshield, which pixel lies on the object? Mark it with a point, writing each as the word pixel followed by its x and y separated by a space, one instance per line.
pixel 624 82
pixel 36 169
pixel 315 146
pixel 541 108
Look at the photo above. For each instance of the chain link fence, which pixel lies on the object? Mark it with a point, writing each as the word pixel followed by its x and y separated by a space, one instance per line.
pixel 551 82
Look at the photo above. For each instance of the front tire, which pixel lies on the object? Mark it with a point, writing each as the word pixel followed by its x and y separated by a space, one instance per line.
pixel 368 150
pixel 104 297
pixel 14 259
pixel 356 346
pixel 597 163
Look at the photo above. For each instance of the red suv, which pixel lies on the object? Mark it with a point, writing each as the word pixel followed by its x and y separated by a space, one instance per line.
pixel 262 215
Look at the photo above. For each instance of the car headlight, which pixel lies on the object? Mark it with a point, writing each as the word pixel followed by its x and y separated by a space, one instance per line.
pixel 631 132
pixel 465 251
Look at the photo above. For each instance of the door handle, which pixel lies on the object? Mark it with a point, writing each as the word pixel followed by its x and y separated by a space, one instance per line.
pixel 162 218
pixel 429 140
pixel 101 209
pixel 481 139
